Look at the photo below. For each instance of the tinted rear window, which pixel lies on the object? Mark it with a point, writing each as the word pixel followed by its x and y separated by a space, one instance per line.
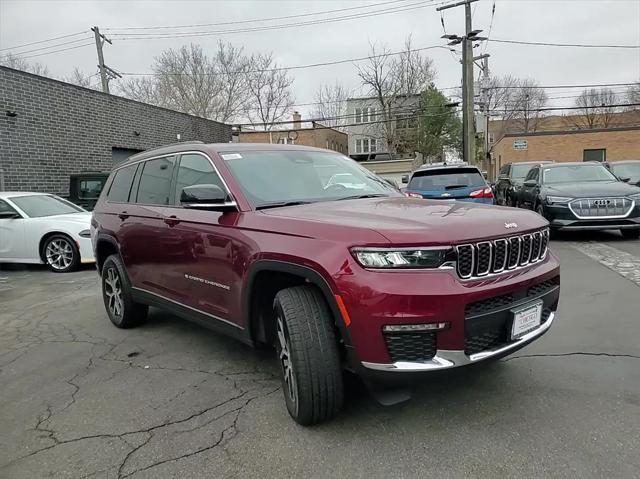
pixel 121 185
pixel 440 180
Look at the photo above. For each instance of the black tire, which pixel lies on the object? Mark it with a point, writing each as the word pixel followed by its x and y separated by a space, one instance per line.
pixel 60 253
pixel 313 386
pixel 630 234
pixel 114 277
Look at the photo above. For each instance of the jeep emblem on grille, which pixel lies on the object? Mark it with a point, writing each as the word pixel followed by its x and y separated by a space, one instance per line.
pixel 601 202
pixel 510 225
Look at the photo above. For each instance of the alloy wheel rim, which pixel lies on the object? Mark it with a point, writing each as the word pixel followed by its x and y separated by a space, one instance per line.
pixel 113 292
pixel 59 254
pixel 285 362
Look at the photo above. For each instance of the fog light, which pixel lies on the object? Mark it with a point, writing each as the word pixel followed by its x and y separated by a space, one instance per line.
pixel 410 328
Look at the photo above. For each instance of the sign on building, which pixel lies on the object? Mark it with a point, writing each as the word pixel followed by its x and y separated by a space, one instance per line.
pixel 520 144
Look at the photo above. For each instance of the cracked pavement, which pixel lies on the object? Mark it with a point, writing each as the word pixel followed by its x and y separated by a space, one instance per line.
pixel 81 399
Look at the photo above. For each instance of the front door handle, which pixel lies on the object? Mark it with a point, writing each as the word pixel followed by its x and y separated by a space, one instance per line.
pixel 123 216
pixel 172 220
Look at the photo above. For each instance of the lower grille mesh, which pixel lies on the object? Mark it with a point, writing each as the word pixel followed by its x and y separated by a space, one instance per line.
pixel 416 347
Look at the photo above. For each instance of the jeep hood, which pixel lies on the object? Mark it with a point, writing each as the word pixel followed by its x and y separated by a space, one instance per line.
pixel 417 221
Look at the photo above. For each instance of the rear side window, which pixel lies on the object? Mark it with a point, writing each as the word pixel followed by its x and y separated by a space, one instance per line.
pixel 533 174
pixel 441 180
pixel 155 182
pixel 195 170
pixel 121 185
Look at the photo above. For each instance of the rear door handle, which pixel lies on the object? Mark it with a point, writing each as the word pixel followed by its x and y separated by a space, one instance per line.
pixel 123 216
pixel 172 220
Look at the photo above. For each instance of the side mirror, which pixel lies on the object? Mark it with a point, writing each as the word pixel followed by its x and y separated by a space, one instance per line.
pixel 206 197
pixel 626 180
pixel 9 215
pixel 405 178
pixel 530 183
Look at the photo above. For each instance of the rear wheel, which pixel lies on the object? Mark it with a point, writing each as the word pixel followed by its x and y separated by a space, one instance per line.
pixel 61 254
pixel 116 293
pixel 308 354
pixel 630 234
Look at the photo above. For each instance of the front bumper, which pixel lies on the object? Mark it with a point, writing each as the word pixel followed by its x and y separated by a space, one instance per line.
pixel 561 218
pixel 447 359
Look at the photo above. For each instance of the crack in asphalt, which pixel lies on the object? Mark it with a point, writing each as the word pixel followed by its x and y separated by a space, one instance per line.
pixel 576 353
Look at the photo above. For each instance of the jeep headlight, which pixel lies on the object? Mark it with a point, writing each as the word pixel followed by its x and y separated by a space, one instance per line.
pixel 401 257
pixel 558 200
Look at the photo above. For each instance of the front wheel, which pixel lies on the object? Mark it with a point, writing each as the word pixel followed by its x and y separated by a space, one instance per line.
pixel 122 310
pixel 308 354
pixel 630 234
pixel 540 210
pixel 61 254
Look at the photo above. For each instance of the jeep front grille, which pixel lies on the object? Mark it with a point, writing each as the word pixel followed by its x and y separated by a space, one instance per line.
pixel 480 259
pixel 602 208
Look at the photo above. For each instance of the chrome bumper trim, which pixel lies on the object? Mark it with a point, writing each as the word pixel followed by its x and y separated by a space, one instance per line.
pixel 447 359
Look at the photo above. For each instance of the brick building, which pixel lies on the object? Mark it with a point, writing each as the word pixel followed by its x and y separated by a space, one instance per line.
pixel 564 138
pixel 316 135
pixel 50 129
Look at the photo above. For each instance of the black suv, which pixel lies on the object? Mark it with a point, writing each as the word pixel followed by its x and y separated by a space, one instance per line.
pixel 510 181
pixel 582 196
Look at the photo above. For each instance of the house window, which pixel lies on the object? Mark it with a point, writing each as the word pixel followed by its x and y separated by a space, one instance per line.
pixel 358 115
pixel 365 145
pixel 358 146
pixel 595 155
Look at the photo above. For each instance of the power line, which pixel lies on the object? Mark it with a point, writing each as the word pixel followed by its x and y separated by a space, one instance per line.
pixel 493 14
pixel 161 27
pixel 542 87
pixel 558 108
pixel 145 36
pixel 57 51
pixel 42 41
pixel 47 47
pixel 579 45
pixel 295 67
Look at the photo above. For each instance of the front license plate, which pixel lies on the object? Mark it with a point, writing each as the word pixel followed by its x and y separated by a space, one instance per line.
pixel 526 319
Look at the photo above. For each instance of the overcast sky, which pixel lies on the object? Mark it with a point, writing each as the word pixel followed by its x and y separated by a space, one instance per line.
pixel 563 21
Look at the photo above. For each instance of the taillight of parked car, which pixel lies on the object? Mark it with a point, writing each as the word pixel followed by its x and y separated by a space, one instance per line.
pixel 412 195
pixel 484 193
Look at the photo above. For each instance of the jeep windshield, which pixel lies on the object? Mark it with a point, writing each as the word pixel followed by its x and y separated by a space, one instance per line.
pixel 271 179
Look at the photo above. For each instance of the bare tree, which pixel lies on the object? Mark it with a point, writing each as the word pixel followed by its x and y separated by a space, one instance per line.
pixel 232 66
pixel 80 78
pixel 143 89
pixel 331 105
pixel 270 97
pixel 633 97
pixel 595 108
pixel 18 63
pixel 392 80
pixel 525 105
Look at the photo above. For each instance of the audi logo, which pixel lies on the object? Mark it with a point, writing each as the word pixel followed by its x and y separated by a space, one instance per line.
pixel 601 202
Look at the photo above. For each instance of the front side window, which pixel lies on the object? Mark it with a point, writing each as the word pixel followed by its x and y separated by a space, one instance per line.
pixel 627 170
pixel 519 172
pixel 155 182
pixel 5 208
pixel 533 174
pixel 195 170
pixel 39 206
pixel 269 178
pixel 577 173
pixel 121 184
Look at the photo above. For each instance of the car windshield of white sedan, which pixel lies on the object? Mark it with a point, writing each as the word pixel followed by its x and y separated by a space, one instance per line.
pixel 38 206
pixel 276 178
pixel 577 173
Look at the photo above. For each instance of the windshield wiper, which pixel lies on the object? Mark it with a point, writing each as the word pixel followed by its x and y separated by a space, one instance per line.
pixel 358 197
pixel 284 203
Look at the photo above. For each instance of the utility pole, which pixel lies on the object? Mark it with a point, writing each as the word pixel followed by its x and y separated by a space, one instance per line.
pixel 106 73
pixel 468 128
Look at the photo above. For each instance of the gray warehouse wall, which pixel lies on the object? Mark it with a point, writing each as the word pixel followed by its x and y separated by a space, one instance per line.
pixel 60 129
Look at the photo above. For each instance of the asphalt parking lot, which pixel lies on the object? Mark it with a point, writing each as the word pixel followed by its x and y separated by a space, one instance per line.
pixel 80 398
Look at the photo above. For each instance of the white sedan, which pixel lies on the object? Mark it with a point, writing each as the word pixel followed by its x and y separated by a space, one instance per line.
pixel 44 228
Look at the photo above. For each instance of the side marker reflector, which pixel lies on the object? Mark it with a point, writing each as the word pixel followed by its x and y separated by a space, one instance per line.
pixel 343 310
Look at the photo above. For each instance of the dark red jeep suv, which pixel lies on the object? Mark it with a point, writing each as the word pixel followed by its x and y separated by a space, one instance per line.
pixel 304 249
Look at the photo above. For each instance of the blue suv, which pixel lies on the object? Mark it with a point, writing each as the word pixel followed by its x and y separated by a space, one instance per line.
pixel 450 182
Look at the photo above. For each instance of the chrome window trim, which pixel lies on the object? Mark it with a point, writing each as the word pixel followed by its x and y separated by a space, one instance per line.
pixel 609 217
pixel 447 359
